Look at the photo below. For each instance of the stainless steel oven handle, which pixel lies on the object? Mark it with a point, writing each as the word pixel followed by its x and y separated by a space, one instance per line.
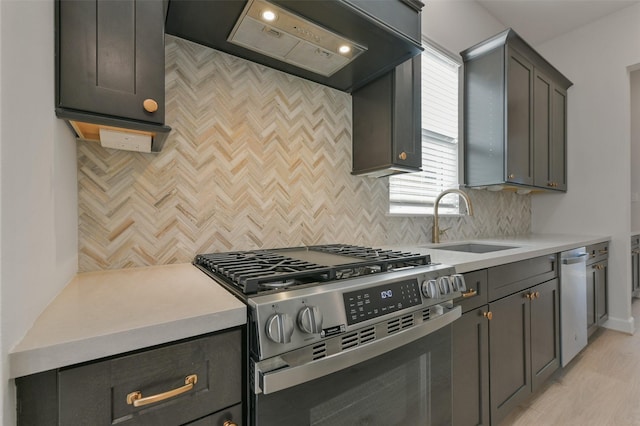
pixel 273 381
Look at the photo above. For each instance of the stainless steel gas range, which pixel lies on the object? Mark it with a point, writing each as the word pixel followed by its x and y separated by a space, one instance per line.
pixel 341 334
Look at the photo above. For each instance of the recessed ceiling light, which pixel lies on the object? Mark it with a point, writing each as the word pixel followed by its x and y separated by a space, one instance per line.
pixel 269 15
pixel 344 49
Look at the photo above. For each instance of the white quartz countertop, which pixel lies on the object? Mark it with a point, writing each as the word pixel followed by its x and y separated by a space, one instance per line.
pixel 106 313
pixel 524 247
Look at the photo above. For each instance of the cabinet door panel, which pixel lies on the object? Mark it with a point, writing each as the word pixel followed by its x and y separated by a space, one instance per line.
pixel 635 270
pixel 471 368
pixel 591 297
pixel 545 343
pixel 602 274
pixel 97 393
pixel 558 145
pixel 519 120
pixel 112 57
pixel 407 144
pixel 542 130
pixel 510 362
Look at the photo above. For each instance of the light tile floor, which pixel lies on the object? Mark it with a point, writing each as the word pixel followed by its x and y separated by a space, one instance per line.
pixel 600 387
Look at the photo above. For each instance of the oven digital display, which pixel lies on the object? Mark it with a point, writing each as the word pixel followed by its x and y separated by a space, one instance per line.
pixel 373 302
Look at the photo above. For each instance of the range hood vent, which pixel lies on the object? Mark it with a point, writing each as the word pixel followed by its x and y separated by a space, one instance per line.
pixel 343 44
pixel 266 28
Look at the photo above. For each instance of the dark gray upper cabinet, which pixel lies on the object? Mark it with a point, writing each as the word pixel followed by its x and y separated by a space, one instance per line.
pixel 515 106
pixel 387 123
pixel 110 66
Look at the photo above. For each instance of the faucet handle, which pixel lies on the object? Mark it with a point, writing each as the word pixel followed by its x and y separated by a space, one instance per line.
pixel 442 231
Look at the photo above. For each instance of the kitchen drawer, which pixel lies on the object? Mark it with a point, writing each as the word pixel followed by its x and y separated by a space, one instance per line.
pixel 97 393
pixel 476 294
pixel 517 276
pixel 222 418
pixel 598 252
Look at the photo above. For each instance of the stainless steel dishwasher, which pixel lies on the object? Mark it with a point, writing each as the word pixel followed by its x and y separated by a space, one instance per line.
pixel 573 303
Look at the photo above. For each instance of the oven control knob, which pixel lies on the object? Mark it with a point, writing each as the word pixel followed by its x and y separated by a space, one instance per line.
pixel 310 320
pixel 430 289
pixel 279 328
pixel 458 282
pixel 444 285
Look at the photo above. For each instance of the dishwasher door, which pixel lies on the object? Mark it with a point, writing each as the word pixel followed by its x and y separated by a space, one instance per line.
pixel 573 303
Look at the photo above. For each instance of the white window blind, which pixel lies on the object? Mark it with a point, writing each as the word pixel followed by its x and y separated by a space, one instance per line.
pixel 414 193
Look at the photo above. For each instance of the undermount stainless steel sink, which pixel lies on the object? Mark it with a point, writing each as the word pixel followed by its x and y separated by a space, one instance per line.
pixel 473 247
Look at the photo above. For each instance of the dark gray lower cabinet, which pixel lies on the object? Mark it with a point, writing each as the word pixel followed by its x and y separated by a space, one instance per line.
pixel 597 286
pixel 635 266
pixel 471 368
pixel 524 345
pixel 507 342
pixel 104 392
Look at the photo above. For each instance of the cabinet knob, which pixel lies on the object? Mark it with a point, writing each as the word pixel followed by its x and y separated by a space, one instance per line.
pixel 536 294
pixel 150 105
pixel 529 296
pixel 488 315
pixel 229 423
pixel 511 176
pixel 402 156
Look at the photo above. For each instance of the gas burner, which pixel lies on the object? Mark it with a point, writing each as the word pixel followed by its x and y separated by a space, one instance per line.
pixel 271 285
pixel 357 271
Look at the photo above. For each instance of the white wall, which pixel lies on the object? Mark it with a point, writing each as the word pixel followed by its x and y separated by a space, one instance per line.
pixel 635 150
pixel 38 192
pixel 595 57
pixel 458 25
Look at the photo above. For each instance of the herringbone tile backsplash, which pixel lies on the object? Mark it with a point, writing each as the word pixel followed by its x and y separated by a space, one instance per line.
pixel 256 159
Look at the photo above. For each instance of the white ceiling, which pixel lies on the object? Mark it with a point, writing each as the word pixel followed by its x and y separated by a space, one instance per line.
pixel 540 20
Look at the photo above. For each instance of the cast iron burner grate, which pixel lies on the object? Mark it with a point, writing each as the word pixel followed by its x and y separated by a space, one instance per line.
pixel 258 270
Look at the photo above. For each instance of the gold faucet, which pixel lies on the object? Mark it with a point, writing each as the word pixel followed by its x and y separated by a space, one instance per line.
pixel 436 228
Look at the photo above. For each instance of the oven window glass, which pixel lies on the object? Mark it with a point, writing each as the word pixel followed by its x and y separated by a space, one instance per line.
pixel 410 385
pixel 393 394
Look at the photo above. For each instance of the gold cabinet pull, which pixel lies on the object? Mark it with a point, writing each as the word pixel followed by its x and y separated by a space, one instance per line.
pixel 529 296
pixel 229 423
pixel 605 251
pixel 511 176
pixel 536 294
pixel 402 156
pixel 150 105
pixel 137 400
pixel 469 293
pixel 488 315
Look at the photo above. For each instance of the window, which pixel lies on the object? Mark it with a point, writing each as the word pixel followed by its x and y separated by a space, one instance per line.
pixel 414 193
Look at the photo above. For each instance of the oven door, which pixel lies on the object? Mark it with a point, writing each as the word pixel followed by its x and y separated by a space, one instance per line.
pixel 407 384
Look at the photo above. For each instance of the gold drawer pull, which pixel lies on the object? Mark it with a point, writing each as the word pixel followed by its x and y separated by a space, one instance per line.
pixel 469 293
pixel 137 400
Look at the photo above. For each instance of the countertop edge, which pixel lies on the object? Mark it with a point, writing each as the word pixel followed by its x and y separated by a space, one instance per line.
pixel 31 361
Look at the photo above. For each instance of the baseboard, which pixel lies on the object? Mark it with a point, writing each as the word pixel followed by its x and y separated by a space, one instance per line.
pixel 620 324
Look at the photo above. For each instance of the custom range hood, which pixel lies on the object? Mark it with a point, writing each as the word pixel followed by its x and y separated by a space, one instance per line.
pixel 343 44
